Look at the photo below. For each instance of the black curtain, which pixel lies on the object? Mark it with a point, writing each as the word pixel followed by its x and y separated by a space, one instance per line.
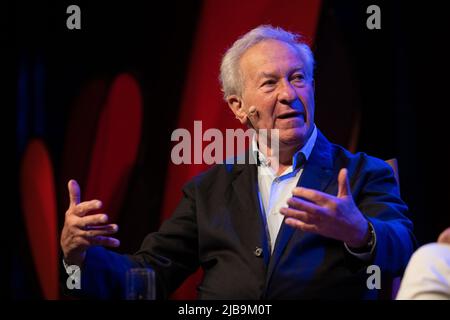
pixel 395 78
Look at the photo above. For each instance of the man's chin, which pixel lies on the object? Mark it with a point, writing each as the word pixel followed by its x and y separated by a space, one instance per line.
pixel 293 137
pixel 292 142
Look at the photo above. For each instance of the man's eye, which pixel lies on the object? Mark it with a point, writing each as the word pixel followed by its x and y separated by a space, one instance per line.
pixel 298 77
pixel 268 83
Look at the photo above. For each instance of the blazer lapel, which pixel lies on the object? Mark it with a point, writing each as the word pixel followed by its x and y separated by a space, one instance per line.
pixel 317 174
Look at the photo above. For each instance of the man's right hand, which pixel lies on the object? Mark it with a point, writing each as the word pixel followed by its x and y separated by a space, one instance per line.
pixel 82 230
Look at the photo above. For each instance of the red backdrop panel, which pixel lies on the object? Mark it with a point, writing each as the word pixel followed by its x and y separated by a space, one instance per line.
pixel 39 209
pixel 221 23
pixel 116 145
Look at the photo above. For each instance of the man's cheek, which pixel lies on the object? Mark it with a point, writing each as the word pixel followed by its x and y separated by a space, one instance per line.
pixel 266 123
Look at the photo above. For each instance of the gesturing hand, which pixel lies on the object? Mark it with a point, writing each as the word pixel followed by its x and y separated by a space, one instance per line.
pixel 334 217
pixel 81 230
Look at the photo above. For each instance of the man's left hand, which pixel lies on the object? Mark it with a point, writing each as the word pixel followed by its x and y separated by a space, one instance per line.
pixel 334 217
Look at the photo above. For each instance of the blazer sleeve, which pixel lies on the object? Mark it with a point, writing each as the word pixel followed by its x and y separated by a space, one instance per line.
pixel 172 252
pixel 380 202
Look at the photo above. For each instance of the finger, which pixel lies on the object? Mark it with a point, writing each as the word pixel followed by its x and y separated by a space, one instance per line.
pixel 85 207
pixel 343 184
pixel 74 192
pixel 105 241
pixel 89 234
pixel 92 220
pixel 301 225
pixel 312 195
pixel 102 227
pixel 299 215
pixel 303 205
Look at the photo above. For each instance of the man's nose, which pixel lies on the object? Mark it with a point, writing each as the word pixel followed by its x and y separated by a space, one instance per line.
pixel 287 93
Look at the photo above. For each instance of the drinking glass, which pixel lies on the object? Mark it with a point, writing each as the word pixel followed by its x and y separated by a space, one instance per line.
pixel 140 284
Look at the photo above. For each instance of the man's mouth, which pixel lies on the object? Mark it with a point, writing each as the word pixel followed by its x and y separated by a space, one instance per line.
pixel 291 114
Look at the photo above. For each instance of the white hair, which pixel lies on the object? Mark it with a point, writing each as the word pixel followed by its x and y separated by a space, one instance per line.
pixel 230 75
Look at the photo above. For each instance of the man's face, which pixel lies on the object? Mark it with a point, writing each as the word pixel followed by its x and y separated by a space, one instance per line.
pixel 274 81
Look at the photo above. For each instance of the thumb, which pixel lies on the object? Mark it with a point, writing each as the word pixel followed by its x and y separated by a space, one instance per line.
pixel 74 192
pixel 343 184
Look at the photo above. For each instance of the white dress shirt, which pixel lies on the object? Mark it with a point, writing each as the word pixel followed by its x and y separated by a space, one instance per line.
pixel 274 191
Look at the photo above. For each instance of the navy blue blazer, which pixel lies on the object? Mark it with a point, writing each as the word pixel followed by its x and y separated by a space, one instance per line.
pixel 219 226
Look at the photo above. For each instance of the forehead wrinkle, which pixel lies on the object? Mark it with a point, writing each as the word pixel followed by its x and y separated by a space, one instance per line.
pixel 254 58
pixel 275 74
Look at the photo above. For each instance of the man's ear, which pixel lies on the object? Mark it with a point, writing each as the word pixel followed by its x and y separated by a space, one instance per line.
pixel 236 105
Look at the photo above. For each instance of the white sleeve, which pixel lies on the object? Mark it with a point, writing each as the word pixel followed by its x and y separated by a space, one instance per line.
pixel 427 276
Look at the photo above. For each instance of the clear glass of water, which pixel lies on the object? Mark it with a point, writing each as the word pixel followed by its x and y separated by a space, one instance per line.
pixel 140 284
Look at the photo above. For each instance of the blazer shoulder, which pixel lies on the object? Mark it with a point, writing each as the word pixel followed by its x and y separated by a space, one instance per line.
pixel 218 173
pixel 359 161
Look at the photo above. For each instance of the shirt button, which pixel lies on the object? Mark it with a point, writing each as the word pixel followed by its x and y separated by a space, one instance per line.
pixel 258 252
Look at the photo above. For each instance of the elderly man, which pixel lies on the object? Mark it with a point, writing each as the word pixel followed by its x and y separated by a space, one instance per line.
pixel 306 228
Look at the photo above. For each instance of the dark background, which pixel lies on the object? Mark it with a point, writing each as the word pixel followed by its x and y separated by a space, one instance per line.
pixel 394 80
